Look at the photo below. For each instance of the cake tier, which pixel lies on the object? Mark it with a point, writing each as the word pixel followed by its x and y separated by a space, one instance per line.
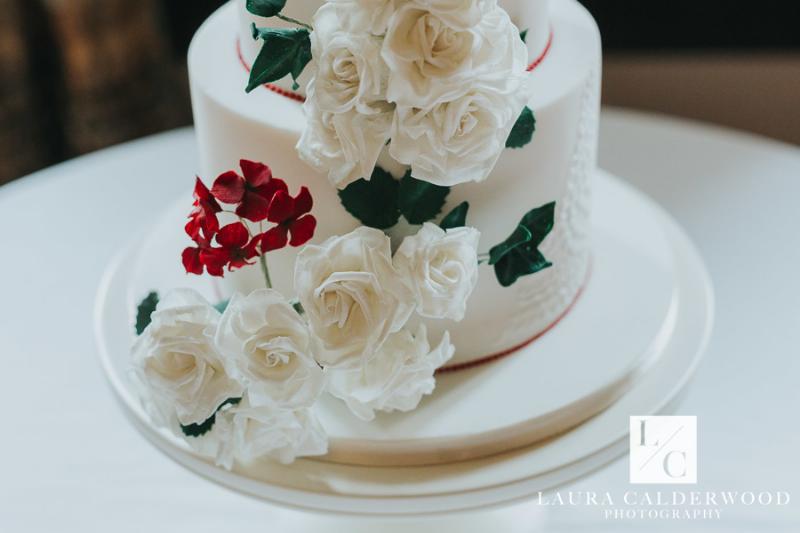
pixel 531 16
pixel 556 165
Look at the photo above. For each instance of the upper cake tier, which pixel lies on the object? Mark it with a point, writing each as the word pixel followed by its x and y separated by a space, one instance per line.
pixel 556 166
pixel 530 16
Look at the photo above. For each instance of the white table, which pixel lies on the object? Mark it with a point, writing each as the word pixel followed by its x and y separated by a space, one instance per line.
pixel 69 461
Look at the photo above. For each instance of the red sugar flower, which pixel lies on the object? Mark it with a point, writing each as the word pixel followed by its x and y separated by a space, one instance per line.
pixel 204 215
pixel 236 249
pixel 257 197
pixel 252 193
pixel 195 258
pixel 292 218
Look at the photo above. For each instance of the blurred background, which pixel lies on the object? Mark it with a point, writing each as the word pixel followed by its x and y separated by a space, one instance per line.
pixel 79 75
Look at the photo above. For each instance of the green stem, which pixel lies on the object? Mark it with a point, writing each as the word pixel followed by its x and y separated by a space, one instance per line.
pixel 262 259
pixel 294 21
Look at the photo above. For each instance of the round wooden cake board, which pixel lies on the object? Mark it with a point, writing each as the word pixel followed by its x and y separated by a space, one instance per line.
pixel 542 416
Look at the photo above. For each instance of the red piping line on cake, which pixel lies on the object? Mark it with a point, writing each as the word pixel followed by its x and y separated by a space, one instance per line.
pixel 494 357
pixel 538 60
pixel 300 98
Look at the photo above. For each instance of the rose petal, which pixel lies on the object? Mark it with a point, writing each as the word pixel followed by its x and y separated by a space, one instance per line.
pixel 274 239
pixel 191 260
pixel 303 202
pixel 228 187
pixel 233 236
pixel 256 174
pixel 302 229
pixel 281 208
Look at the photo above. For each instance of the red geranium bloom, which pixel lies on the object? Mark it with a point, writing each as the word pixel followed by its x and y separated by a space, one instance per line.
pixel 195 258
pixel 292 218
pixel 204 215
pixel 251 193
pixel 236 248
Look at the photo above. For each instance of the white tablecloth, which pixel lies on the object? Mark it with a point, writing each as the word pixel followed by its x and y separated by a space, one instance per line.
pixel 69 461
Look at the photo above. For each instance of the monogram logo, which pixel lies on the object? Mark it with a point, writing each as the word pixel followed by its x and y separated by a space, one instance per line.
pixel 663 449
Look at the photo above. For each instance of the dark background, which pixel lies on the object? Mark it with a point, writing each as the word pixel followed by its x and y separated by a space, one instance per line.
pixel 79 75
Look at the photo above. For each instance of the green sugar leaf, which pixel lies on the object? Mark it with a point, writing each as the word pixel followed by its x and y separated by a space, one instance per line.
pixel 456 218
pixel 519 262
pixel 522 132
pixel 520 236
pixel 373 202
pixel 540 222
pixel 144 311
pixel 285 51
pixel 265 8
pixel 519 255
pixel 420 201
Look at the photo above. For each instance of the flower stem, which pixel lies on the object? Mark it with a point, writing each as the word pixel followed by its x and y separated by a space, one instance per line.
pixel 262 259
pixel 294 21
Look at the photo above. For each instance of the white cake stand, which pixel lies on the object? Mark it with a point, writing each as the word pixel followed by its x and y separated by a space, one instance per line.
pixel 537 419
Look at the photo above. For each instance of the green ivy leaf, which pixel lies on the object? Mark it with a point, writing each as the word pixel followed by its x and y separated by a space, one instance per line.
pixel 265 8
pixel 197 430
pixel 540 222
pixel 144 310
pixel 420 201
pixel 522 35
pixel 519 254
pixel 521 261
pixel 522 132
pixel 285 51
pixel 520 236
pixel 373 202
pixel 455 218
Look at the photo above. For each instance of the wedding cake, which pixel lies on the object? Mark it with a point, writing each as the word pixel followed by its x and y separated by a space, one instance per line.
pixel 388 190
pixel 561 52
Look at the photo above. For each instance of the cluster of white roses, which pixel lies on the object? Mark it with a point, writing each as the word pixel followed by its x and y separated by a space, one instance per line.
pixel 442 81
pixel 190 361
pixel 358 300
pixel 354 341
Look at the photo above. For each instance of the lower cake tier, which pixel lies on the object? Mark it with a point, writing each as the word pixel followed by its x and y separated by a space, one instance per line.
pixel 644 295
pixel 555 166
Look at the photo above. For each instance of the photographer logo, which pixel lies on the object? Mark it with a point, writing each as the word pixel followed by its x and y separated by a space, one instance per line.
pixel 663 449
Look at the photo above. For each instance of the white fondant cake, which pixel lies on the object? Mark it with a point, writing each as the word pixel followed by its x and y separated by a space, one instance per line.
pixel 556 166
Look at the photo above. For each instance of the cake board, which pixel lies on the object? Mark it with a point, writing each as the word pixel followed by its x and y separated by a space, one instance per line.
pixel 597 436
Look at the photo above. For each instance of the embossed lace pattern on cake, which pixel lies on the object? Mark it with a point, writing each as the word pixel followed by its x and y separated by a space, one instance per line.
pixel 540 298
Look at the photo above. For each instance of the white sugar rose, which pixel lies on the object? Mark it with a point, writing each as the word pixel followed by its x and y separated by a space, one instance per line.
pixel 427 58
pixel 344 145
pixel 350 72
pixel 353 296
pixel 266 431
pixel 396 378
pixel 457 141
pixel 177 362
pixel 369 15
pixel 443 266
pixel 268 345
pixel 460 14
pixel 432 61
